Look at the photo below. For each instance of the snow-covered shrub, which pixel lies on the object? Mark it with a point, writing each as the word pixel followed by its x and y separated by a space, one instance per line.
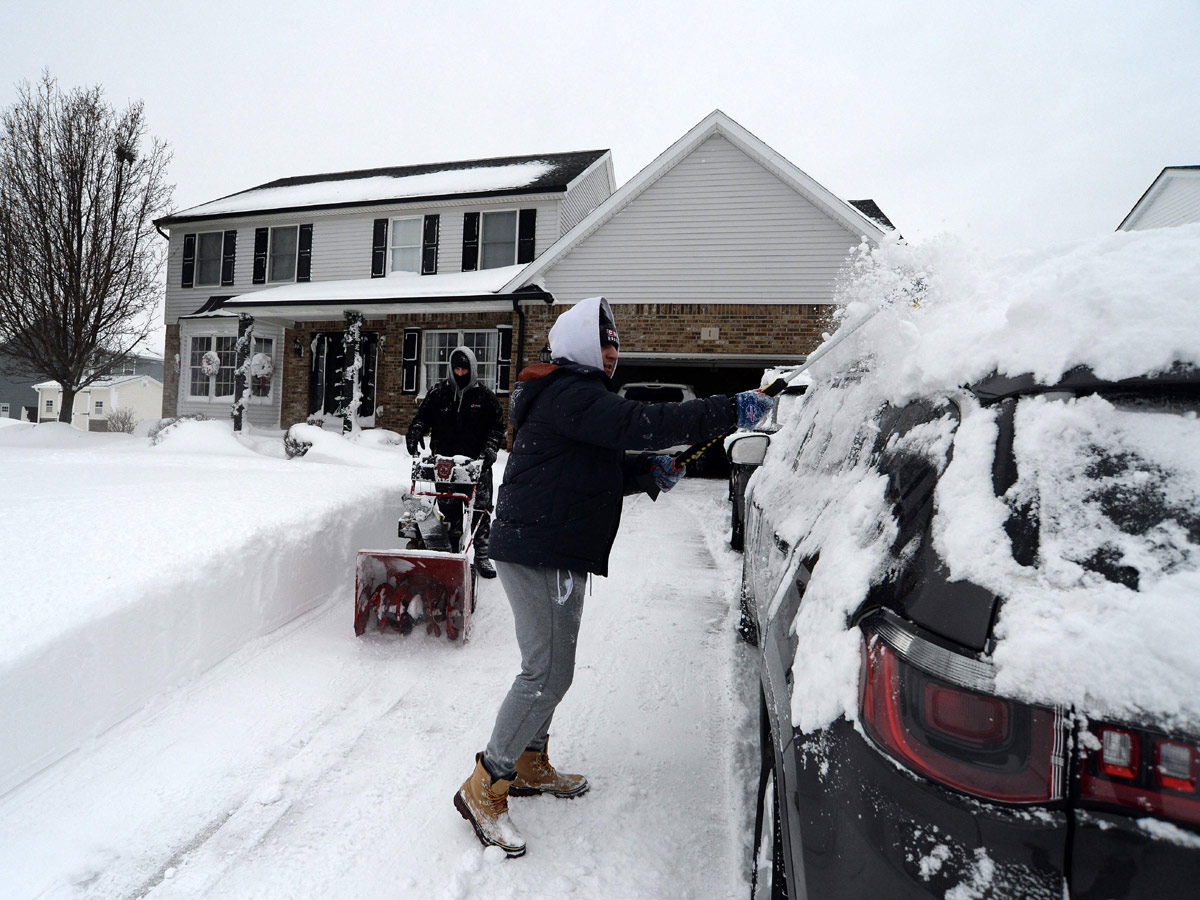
pixel 293 445
pixel 163 427
pixel 122 419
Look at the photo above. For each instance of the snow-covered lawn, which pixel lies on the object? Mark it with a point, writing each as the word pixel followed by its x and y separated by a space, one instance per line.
pixel 188 712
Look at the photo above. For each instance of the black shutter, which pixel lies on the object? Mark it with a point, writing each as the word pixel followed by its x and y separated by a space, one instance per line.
pixel 228 253
pixel 260 255
pixel 304 254
pixel 429 245
pixel 470 242
pixel 189 259
pixel 410 361
pixel 526 225
pixel 379 249
pixel 504 359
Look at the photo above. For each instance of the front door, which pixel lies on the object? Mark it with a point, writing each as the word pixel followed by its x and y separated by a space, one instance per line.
pixel 325 384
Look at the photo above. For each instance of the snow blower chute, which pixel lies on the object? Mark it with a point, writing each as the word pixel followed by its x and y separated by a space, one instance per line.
pixel 430 582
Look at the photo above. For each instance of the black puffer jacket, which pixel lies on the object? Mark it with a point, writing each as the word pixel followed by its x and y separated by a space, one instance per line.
pixel 560 503
pixel 460 422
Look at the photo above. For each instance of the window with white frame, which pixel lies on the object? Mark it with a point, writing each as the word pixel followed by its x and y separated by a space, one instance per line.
pixel 220 384
pixel 438 345
pixel 406 244
pixel 50 405
pixel 99 407
pixel 498 239
pixel 5 409
pixel 281 255
pixel 208 259
pixel 260 385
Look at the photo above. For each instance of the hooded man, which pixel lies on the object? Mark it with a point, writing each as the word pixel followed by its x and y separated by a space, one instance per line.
pixel 463 418
pixel 556 519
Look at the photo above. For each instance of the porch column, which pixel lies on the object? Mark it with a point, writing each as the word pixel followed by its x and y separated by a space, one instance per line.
pixel 241 365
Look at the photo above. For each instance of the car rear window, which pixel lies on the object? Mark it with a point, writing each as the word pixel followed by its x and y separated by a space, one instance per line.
pixel 1115 485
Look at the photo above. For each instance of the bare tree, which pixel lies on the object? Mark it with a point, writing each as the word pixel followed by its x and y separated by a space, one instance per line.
pixel 80 262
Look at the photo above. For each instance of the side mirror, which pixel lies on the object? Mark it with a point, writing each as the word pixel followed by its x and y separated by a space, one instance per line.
pixel 749 450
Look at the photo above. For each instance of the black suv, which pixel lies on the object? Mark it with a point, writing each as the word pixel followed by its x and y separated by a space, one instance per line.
pixel 928 768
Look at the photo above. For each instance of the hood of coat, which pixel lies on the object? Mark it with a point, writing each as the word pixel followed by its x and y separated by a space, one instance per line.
pixel 457 356
pixel 575 334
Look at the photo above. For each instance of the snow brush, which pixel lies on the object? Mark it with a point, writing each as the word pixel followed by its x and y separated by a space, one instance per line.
pixel 683 457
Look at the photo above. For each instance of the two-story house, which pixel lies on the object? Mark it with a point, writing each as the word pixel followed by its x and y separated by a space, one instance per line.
pixel 719 257
pixel 24 395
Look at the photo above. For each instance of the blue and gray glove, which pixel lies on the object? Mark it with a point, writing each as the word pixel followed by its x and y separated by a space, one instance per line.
pixel 752 408
pixel 666 471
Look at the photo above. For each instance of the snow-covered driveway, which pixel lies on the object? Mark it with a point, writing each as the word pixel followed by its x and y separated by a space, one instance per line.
pixel 312 763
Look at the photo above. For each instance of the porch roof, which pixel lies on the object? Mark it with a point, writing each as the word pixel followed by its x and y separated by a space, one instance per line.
pixel 398 293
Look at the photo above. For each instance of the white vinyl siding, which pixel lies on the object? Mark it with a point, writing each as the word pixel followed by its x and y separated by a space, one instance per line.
pixel 584 196
pixel 1175 202
pixel 715 228
pixel 341 244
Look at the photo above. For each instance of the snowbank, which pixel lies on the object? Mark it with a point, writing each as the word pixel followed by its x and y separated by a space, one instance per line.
pixel 132 568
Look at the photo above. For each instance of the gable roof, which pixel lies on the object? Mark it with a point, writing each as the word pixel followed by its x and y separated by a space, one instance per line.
pixel 1171 176
pixel 463 179
pixel 715 122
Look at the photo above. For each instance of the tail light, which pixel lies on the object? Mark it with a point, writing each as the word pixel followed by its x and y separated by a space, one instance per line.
pixel 1141 770
pixel 947 729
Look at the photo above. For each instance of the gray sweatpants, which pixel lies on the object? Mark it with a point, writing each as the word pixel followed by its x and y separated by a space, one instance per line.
pixel 547 606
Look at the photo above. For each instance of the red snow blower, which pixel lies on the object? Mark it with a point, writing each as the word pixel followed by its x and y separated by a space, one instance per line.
pixel 430 582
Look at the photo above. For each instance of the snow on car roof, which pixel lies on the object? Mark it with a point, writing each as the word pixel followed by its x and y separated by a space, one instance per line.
pixel 923 320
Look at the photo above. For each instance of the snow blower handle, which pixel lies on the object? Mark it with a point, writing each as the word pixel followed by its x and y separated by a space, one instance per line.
pixel 683 457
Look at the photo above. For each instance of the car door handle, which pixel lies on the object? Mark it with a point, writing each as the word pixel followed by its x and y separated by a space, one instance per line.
pixel 783 545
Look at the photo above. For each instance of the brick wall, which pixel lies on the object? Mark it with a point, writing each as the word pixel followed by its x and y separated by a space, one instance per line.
pixel 664 328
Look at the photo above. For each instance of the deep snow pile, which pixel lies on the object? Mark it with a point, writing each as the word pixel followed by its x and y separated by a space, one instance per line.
pixel 314 763
pixel 919 321
pixel 131 568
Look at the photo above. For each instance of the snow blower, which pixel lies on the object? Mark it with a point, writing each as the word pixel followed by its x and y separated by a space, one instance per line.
pixel 430 582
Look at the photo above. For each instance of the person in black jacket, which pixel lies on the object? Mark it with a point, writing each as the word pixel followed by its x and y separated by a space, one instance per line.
pixel 463 418
pixel 557 516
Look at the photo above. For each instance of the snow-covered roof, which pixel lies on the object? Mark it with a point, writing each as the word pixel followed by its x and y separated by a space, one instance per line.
pixel 101 384
pixel 716 122
pixel 1172 199
pixel 544 173
pixel 398 292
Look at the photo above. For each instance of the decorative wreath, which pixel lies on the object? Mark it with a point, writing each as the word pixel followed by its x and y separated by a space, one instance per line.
pixel 261 365
pixel 210 363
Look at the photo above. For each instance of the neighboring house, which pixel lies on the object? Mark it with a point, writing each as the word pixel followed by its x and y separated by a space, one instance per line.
pixel 143 394
pixel 720 259
pixel 1173 199
pixel 18 402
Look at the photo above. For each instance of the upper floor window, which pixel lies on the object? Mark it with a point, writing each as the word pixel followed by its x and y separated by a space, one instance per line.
pixel 406 244
pixel 208 259
pixel 498 239
pixel 282 253
pixel 440 344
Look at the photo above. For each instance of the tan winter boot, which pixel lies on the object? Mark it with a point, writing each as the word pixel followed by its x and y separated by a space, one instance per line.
pixel 535 775
pixel 484 803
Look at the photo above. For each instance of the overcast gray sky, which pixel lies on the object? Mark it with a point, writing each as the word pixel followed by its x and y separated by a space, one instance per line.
pixel 1009 124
